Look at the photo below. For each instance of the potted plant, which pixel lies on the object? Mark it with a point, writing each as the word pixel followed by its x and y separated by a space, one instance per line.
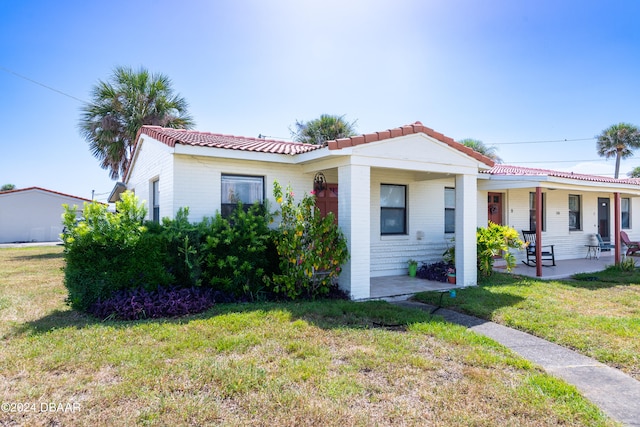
pixel 413 267
pixel 451 276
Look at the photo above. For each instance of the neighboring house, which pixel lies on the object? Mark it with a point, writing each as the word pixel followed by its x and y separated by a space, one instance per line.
pixel 33 214
pixel 574 206
pixel 402 193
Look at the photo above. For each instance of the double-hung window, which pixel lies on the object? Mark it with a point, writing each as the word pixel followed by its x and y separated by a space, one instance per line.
pixel 449 210
pixel 155 197
pixel 532 212
pixel 575 222
pixel 393 209
pixel 240 188
pixel 625 212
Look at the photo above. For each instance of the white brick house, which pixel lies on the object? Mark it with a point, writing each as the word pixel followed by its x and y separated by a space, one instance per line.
pixel 391 185
pixel 401 193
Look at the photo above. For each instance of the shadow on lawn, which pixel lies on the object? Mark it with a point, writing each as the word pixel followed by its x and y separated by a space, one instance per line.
pixel 34 257
pixel 326 314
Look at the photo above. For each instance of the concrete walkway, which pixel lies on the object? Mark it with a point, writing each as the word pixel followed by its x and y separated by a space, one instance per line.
pixel 615 393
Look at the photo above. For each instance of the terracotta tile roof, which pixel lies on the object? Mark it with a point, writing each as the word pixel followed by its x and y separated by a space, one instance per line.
pixel 507 170
pixel 18 190
pixel 417 127
pixel 171 137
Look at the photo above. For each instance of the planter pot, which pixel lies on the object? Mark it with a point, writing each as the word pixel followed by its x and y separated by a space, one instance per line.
pixel 413 269
pixel 451 278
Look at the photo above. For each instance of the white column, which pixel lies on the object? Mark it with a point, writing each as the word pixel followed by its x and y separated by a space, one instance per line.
pixel 354 218
pixel 466 227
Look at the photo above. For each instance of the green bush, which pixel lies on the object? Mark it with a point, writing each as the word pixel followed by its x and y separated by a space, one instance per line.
pixel 238 252
pixel 106 252
pixel 311 248
pixel 496 240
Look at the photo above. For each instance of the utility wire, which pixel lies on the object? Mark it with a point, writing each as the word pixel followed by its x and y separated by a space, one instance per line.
pixel 542 142
pixel 42 84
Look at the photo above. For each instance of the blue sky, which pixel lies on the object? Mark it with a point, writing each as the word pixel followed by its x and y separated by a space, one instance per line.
pixel 501 71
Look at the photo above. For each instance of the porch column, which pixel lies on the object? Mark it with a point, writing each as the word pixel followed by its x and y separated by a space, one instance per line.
pixel 616 227
pixel 354 218
pixel 466 228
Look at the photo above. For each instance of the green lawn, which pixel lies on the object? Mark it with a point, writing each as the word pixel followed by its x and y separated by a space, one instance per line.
pixel 598 315
pixel 322 363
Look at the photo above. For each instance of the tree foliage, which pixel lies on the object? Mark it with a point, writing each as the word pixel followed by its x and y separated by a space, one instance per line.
pixel 325 128
pixel 635 172
pixel 7 187
pixel 618 141
pixel 120 106
pixel 479 146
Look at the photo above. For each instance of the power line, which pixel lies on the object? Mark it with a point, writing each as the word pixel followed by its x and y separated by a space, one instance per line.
pixel 543 142
pixel 42 84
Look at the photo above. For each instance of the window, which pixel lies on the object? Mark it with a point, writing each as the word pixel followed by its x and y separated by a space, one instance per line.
pixel 237 188
pixel 625 212
pixel 449 210
pixel 532 212
pixel 155 196
pixel 393 211
pixel 574 212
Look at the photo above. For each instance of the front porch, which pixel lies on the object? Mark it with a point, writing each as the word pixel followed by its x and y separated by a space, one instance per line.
pixel 403 287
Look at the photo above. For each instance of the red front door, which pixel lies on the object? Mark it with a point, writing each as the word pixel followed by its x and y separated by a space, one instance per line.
pixel 327 200
pixel 494 206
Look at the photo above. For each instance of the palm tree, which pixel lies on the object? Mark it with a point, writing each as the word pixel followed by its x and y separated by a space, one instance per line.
pixel 325 128
pixel 618 140
pixel 119 108
pixel 479 146
pixel 635 173
pixel 7 187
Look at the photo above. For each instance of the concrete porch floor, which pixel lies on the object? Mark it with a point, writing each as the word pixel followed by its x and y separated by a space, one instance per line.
pixel 403 287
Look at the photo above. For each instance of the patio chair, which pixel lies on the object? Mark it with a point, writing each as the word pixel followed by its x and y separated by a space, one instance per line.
pixel 603 245
pixel 546 251
pixel 633 248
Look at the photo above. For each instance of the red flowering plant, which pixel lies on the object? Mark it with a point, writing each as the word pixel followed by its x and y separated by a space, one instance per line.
pixel 311 247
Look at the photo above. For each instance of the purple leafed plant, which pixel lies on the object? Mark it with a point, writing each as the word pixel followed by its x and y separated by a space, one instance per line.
pixel 436 271
pixel 134 304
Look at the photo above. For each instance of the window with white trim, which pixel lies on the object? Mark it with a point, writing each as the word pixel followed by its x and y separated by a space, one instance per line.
pixel 155 200
pixel 393 209
pixel 575 216
pixel 449 210
pixel 532 212
pixel 625 212
pixel 240 188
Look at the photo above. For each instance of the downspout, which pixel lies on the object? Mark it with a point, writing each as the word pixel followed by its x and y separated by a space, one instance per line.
pixel 538 232
pixel 616 226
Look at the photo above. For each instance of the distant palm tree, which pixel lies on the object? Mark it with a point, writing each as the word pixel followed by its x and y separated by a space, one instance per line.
pixel 635 173
pixel 325 128
pixel 479 146
pixel 618 140
pixel 121 106
pixel 7 187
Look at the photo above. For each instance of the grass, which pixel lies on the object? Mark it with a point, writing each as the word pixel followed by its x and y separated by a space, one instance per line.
pixel 313 363
pixel 597 314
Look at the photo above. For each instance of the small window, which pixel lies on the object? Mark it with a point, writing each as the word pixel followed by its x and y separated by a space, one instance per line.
pixel 449 210
pixel 532 212
pixel 575 222
pixel 155 189
pixel 237 188
pixel 393 212
pixel 625 212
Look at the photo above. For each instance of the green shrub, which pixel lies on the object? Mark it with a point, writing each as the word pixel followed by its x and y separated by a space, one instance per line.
pixel 311 248
pixel 496 240
pixel 236 251
pixel 106 252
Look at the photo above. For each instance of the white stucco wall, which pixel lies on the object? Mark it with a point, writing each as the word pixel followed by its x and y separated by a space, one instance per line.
pixel 33 215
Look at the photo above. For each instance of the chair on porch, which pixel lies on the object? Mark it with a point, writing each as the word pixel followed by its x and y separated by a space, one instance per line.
pixel 546 251
pixel 603 245
pixel 633 248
